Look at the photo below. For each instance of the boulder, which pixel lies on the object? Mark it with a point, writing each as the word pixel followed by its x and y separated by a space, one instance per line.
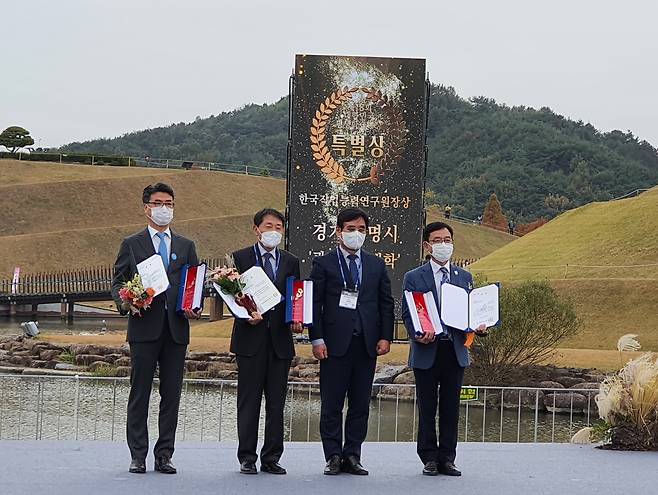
pixel 548 384
pixel 191 366
pixel 569 381
pixel 565 402
pixel 393 392
pixel 586 386
pixel 25 361
pixel 122 361
pixel 49 354
pixel 388 372
pixel 310 375
pixel 406 378
pixel 222 359
pixel 123 371
pixel 112 358
pixel 96 365
pixel 91 349
pixel 68 367
pixel 200 356
pixel 87 359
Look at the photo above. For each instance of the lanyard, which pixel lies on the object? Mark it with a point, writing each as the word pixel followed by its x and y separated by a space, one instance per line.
pixel 341 259
pixel 259 260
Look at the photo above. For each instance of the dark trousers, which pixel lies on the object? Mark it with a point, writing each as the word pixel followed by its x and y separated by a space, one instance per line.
pixel 350 375
pixel 144 356
pixel 262 373
pixel 447 372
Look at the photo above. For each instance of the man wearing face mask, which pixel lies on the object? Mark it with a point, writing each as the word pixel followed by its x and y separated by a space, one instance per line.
pixel 264 349
pixel 437 359
pixel 159 337
pixel 352 325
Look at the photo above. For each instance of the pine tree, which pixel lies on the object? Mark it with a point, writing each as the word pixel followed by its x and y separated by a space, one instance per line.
pixel 493 215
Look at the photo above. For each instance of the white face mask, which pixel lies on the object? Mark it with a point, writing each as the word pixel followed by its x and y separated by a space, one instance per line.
pixel 271 238
pixel 442 251
pixel 353 240
pixel 161 215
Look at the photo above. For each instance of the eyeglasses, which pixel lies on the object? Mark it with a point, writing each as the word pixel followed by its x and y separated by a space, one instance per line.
pixel 447 240
pixel 157 204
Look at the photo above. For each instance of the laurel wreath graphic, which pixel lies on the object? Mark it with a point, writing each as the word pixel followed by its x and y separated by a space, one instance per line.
pixel 397 136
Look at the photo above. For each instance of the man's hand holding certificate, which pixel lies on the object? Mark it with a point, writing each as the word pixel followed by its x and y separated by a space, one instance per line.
pixel 471 310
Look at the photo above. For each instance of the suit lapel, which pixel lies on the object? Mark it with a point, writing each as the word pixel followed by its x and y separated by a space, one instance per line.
pixel 146 243
pixel 174 246
pixel 428 277
pixel 366 270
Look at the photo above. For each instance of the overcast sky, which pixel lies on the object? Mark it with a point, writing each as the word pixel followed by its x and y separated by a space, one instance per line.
pixel 74 70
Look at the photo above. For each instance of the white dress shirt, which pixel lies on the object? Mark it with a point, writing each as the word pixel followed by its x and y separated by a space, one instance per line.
pixel 156 240
pixel 272 259
pixel 438 277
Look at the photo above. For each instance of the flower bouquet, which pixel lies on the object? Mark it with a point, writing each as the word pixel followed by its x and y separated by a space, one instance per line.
pixel 228 280
pixel 134 297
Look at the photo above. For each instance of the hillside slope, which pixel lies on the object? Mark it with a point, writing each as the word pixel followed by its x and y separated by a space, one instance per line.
pixel 612 278
pixel 62 217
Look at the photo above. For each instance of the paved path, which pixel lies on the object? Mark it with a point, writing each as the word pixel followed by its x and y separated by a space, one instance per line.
pixel 97 468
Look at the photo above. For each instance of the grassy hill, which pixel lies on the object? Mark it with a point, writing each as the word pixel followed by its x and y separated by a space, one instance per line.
pixel 60 217
pixel 598 242
pixel 476 147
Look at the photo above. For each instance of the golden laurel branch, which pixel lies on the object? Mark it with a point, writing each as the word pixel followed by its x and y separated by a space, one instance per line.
pixel 322 154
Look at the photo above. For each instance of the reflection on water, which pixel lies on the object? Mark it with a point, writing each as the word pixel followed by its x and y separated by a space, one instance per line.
pixel 51 408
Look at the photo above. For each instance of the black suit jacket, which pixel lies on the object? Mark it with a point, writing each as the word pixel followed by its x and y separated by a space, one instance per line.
pixel 248 339
pixel 148 327
pixel 375 304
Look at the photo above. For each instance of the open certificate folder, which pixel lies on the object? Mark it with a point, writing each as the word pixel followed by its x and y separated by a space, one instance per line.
pixel 467 309
pixel 424 315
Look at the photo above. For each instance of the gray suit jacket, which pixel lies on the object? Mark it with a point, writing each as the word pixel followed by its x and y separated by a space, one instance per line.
pixel 148 327
pixel 421 279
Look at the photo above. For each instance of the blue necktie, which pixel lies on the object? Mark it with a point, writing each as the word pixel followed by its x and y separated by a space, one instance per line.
pixel 162 249
pixel 354 270
pixel 267 265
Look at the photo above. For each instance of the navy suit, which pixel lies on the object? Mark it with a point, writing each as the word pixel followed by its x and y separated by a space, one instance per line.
pixel 351 337
pixel 441 361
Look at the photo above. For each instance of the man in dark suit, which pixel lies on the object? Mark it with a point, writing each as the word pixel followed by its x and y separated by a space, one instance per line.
pixel 437 358
pixel 352 325
pixel 159 336
pixel 264 349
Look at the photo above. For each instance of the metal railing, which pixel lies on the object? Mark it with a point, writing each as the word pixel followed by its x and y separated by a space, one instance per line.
pixel 94 408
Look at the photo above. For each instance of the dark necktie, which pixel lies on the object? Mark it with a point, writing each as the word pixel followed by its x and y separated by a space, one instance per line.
pixel 444 275
pixel 444 280
pixel 354 270
pixel 267 265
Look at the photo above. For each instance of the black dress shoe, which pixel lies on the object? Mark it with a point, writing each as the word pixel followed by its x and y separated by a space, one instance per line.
pixel 272 468
pixel 333 465
pixel 352 465
pixel 137 466
pixel 248 467
pixel 163 465
pixel 430 469
pixel 449 469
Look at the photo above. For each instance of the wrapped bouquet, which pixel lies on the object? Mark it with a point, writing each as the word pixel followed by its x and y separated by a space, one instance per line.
pixel 134 297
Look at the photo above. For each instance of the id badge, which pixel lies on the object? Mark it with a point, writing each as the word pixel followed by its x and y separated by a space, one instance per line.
pixel 348 299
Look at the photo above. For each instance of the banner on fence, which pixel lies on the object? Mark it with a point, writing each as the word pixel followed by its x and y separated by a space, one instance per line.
pixel 14 281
